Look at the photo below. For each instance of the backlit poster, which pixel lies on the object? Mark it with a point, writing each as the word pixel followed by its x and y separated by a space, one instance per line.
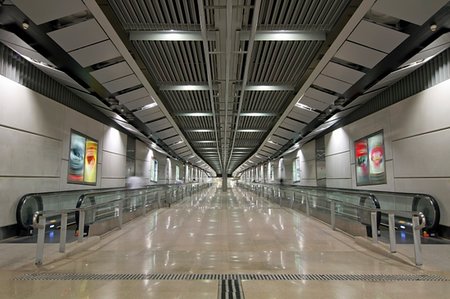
pixel 362 163
pixel 369 160
pixel 376 159
pixel 90 162
pixel 82 164
pixel 76 158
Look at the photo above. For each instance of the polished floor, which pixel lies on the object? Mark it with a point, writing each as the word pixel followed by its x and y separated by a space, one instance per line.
pixel 218 234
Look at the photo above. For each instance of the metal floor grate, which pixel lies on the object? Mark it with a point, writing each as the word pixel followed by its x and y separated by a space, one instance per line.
pixel 221 277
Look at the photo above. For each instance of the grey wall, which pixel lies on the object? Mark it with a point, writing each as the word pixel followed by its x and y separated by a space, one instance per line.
pixel 417 147
pixel 35 134
pixel 307 155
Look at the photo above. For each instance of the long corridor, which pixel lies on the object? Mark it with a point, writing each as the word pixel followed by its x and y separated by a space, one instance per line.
pixel 224 245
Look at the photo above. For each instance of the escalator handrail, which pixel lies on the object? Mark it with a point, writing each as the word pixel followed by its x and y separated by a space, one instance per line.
pixel 27 196
pixel 372 193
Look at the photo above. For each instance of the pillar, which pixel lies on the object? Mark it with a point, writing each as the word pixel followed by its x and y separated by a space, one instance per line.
pixel 224 182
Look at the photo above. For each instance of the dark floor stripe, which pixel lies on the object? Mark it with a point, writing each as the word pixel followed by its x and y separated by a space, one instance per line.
pixel 230 289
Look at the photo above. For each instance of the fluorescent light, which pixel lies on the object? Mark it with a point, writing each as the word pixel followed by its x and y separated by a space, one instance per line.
pixel 251 130
pixel 204 141
pixel 149 106
pixel 303 106
pixel 258 114
pixel 195 114
pixel 200 130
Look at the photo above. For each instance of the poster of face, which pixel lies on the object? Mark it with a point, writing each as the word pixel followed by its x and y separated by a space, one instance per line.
pixel 369 160
pixel 82 166
pixel 76 158
pixel 362 165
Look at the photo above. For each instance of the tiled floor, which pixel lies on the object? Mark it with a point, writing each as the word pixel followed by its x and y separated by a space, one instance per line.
pixel 225 233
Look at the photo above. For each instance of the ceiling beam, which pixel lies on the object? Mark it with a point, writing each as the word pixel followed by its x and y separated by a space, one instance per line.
pixel 248 58
pixel 204 31
pixel 189 87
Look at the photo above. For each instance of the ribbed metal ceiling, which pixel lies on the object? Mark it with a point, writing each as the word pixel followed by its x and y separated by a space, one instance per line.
pixel 178 65
pixel 227 82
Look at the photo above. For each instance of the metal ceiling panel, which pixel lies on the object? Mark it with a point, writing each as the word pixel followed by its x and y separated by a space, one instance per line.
pixel 360 55
pixel 167 133
pixel 302 114
pixel 273 145
pixel 278 139
pixel 171 140
pixel 186 154
pixel 87 33
pixel 89 98
pixel 132 95
pixel 393 77
pixel 95 53
pixel 439 45
pixel 342 73
pixel 112 72
pixel 292 124
pixel 414 11
pixel 111 114
pixel 149 115
pixel 364 98
pixel 159 125
pixel 61 77
pixel 313 103
pixel 285 133
pixel 377 37
pixel 320 96
pixel 332 84
pixel 43 11
pixel 181 147
pixel 268 150
pixel 122 83
pixel 139 103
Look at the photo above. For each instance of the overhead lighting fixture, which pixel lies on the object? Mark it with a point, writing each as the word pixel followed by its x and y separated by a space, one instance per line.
pixel 184 87
pixel 194 114
pixel 272 142
pixel 149 106
pixel 204 141
pixel 199 130
pixel 268 88
pixel 258 114
pixel 303 106
pixel 251 130
pixel 178 142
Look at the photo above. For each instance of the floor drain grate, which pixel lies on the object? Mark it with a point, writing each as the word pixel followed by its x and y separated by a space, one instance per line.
pixel 231 277
pixel 230 289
